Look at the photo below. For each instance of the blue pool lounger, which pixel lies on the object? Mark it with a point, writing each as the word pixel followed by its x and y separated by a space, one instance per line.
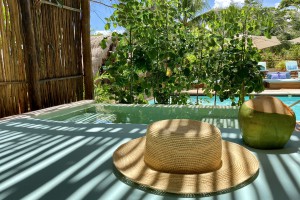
pixel 263 66
pixel 291 66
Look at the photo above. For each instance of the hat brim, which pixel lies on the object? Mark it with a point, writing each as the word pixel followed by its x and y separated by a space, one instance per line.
pixel 239 167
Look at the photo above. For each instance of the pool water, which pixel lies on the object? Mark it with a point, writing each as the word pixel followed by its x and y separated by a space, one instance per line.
pixel 206 101
pixel 222 117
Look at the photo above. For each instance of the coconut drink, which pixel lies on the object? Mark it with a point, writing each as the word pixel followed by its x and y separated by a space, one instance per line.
pixel 266 122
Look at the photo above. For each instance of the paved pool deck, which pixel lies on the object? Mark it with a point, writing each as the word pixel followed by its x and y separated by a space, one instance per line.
pixel 43 159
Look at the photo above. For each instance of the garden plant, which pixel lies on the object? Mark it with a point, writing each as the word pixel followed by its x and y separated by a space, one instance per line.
pixel 168 47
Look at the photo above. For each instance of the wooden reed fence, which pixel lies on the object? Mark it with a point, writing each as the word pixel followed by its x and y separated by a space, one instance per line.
pixel 42 59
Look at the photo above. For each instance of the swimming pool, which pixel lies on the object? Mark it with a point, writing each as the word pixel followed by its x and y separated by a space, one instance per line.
pixel 220 116
pixel 206 101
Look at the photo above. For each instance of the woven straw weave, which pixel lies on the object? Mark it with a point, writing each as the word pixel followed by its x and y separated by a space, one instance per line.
pixel 239 166
pixel 183 146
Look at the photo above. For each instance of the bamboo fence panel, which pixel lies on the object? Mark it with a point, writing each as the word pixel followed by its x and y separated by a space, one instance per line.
pixel 58 43
pixel 58 33
pixel 13 86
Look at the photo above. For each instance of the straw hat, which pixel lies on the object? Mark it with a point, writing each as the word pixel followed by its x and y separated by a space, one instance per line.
pixel 185 157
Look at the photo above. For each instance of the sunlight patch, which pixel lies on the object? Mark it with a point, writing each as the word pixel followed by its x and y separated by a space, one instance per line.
pixel 96 129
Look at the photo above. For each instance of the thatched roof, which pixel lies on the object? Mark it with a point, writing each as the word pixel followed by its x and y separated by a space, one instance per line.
pixel 99 54
pixel 261 42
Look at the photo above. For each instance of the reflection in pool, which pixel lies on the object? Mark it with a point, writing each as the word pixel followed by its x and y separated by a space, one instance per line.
pixel 222 116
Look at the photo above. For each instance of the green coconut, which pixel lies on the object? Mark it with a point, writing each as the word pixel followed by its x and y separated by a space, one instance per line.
pixel 266 122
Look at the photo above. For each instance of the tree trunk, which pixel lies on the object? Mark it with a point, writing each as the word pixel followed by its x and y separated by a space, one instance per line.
pixel 86 50
pixel 31 66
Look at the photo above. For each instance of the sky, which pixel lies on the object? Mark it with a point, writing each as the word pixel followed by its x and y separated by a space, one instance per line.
pixel 100 12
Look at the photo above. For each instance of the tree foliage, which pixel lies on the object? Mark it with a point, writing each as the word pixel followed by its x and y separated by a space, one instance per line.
pixel 160 55
pixel 190 10
pixel 150 55
pixel 233 59
pixel 287 3
pixel 286 23
pixel 286 27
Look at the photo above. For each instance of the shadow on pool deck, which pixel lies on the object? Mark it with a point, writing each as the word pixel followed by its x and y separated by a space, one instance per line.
pixel 55 160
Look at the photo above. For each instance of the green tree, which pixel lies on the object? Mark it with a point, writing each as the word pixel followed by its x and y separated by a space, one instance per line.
pixel 160 55
pixel 286 23
pixel 190 10
pixel 151 55
pixel 233 59
pixel 287 3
